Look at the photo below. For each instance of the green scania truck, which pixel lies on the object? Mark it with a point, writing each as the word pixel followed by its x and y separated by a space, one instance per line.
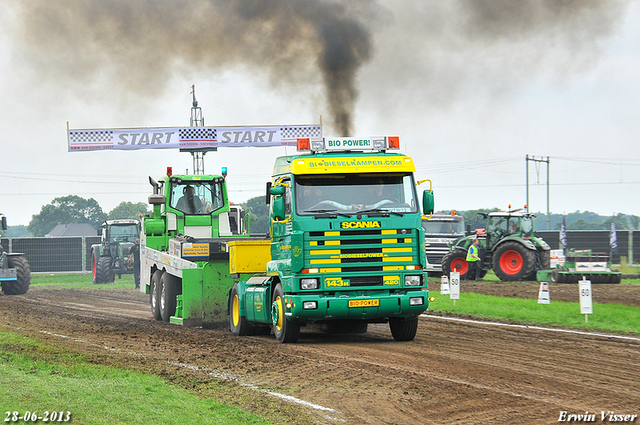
pixel 346 246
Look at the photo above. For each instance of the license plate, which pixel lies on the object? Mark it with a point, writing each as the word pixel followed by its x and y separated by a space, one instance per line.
pixel 364 303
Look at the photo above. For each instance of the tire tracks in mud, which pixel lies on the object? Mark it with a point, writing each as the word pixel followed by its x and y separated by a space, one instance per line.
pixel 452 372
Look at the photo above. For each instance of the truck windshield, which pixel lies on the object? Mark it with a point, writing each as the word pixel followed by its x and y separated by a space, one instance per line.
pixel 449 227
pixel 353 193
pixel 196 197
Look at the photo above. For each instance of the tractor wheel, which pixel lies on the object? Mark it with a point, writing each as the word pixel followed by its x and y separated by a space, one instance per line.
pixel 512 261
pixel 456 260
pixel 239 325
pixel 23 272
pixel 284 330
pixel 545 258
pixel 403 330
pixel 168 293
pixel 103 270
pixel 94 267
pixel 154 294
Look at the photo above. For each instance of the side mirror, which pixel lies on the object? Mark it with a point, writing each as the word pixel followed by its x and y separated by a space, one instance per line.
pixel 99 231
pixel 276 190
pixel 427 202
pixel 278 208
pixel 4 223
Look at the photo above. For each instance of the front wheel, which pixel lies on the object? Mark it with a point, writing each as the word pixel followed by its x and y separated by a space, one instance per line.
pixel 456 260
pixel 103 270
pixel 239 325
pixel 284 330
pixel 403 330
pixel 23 273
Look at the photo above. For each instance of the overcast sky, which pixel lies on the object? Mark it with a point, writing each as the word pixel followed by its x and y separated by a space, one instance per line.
pixel 470 86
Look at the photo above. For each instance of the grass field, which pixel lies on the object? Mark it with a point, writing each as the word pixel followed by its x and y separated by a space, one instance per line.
pixel 605 317
pixel 54 384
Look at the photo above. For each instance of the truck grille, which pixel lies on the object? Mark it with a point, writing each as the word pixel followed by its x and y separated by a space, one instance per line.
pixel 435 258
pixel 346 252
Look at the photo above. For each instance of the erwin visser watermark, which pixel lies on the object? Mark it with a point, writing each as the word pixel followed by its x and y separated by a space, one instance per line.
pixel 603 416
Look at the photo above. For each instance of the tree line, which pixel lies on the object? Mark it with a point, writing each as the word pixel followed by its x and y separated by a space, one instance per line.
pixel 578 220
pixel 75 209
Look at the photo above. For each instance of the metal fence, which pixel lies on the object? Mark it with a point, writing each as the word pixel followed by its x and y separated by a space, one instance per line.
pixel 50 255
pixel 598 241
pixel 73 254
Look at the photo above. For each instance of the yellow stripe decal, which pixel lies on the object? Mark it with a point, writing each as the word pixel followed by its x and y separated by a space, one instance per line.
pixel 332 233
pixel 331 270
pixel 407 249
pixel 397 259
pixel 324 252
pixel 392 268
pixel 325 261
pixel 389 232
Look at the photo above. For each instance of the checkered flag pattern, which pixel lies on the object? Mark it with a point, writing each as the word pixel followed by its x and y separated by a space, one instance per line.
pixel 301 132
pixel 91 136
pixel 198 133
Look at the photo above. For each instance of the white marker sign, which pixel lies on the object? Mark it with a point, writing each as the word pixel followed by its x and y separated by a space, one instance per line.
pixel 444 285
pixel 454 283
pixel 543 294
pixel 586 305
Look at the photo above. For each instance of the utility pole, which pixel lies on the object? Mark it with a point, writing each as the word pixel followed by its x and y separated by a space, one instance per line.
pixel 541 159
pixel 197 120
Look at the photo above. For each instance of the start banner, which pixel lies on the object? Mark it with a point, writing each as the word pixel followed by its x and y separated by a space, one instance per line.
pixel 190 137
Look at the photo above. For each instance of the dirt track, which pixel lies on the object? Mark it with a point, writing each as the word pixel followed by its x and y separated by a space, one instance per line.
pixel 453 372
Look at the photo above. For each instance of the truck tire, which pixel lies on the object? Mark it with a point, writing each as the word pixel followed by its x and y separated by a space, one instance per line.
pixel 456 259
pixel 513 261
pixel 168 293
pixel 154 294
pixel 403 330
pixel 239 325
pixel 23 272
pixel 284 330
pixel 103 270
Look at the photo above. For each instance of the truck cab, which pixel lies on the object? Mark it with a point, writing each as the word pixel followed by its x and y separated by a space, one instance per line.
pixel 347 248
pixel 440 231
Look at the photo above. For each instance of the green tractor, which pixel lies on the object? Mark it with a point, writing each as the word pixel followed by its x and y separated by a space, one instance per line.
pixel 15 272
pixel 111 256
pixel 508 246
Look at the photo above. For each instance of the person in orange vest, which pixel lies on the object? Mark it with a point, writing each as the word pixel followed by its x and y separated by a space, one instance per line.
pixel 473 259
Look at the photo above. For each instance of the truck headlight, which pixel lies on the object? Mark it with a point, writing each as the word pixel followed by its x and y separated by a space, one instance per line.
pixel 416 301
pixel 309 283
pixel 413 280
pixel 309 305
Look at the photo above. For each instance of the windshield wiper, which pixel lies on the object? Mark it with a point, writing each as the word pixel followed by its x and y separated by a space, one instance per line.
pixel 333 212
pixel 378 211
